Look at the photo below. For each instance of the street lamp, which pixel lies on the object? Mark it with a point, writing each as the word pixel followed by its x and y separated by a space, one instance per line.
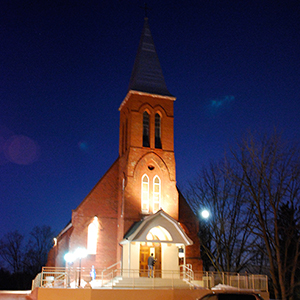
pixel 204 234
pixel 71 257
pixel 80 253
pixel 205 214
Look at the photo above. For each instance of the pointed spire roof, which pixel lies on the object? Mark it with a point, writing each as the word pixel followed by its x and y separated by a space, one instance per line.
pixel 147 74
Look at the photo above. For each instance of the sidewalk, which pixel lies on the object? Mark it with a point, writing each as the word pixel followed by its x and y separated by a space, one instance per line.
pixel 12 295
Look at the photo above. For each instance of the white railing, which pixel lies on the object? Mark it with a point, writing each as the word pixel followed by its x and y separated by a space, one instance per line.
pixel 114 277
pixel 187 271
pixel 110 272
pixel 53 276
pixel 238 280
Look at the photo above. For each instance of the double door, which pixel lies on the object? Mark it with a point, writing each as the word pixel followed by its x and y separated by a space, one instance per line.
pixel 145 252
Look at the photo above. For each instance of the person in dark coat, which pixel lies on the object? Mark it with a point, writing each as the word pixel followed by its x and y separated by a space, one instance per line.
pixel 151 262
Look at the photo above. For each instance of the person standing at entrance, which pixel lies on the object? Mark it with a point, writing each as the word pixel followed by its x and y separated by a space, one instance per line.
pixel 151 262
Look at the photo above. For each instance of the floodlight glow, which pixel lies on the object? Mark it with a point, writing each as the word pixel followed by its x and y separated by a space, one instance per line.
pixel 69 257
pixel 93 236
pixel 80 253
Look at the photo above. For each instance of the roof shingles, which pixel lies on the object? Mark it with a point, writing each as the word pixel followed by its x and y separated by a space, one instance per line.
pixel 147 74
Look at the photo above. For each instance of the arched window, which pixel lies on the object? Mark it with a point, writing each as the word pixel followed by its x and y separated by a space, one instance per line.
pixel 156 194
pixel 146 136
pixel 159 233
pixel 157 131
pixel 145 194
pixel 92 237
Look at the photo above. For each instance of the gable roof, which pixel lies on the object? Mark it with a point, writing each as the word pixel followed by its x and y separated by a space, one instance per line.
pixel 147 74
pixel 139 231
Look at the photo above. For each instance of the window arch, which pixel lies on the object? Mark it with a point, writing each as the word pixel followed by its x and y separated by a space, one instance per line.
pixel 145 194
pixel 159 233
pixel 146 131
pixel 157 131
pixel 156 193
pixel 92 237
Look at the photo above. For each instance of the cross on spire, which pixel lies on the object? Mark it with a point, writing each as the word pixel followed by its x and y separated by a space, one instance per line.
pixel 146 8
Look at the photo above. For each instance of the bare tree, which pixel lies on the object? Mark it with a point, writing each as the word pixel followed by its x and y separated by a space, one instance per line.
pixel 226 241
pixel 11 250
pixel 269 172
pixel 40 243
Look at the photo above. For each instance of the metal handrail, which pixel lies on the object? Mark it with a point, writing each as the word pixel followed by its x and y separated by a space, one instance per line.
pixel 109 268
pixel 188 272
pixel 108 278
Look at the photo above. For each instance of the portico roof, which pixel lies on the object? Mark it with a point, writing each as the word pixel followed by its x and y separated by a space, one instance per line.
pixel 140 230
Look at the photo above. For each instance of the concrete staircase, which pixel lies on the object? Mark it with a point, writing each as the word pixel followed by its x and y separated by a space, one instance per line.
pixel 148 283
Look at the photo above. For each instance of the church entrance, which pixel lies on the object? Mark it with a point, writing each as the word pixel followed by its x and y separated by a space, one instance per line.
pixel 145 252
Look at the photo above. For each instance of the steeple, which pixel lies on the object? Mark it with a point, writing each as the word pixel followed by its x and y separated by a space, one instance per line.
pixel 147 74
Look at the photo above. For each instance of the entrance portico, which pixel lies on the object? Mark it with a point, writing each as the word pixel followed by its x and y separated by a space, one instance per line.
pixel 161 235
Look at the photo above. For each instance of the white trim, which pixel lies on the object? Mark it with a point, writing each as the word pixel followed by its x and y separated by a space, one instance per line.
pixel 65 230
pixel 142 227
pixel 146 94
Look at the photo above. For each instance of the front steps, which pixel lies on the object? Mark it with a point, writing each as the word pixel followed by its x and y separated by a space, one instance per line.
pixel 148 283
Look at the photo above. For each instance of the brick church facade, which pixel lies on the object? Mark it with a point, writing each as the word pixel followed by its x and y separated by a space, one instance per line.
pixel 136 208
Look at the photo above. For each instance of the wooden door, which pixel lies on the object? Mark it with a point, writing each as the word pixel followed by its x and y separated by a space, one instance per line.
pixel 157 267
pixel 144 254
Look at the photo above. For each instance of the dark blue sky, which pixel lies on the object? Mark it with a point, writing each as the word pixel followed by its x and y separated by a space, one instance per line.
pixel 65 68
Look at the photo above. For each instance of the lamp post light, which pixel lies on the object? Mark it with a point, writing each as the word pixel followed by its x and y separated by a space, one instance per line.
pixel 80 253
pixel 69 258
pixel 205 237
pixel 205 214
pixel 181 252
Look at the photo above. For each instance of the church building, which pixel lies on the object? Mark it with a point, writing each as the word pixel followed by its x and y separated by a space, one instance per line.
pixel 136 209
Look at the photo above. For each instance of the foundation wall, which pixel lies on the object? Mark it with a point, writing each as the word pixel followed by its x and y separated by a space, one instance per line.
pixel 89 294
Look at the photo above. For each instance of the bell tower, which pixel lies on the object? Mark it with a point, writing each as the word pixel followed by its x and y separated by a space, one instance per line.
pixel 146 143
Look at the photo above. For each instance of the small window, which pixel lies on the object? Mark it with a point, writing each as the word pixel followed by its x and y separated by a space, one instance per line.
pixel 156 194
pixel 145 194
pixel 146 137
pixel 157 131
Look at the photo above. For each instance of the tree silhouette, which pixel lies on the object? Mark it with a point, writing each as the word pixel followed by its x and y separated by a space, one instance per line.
pixel 24 262
pixel 269 171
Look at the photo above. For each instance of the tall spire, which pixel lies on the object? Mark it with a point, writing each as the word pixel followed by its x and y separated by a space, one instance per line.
pixel 147 74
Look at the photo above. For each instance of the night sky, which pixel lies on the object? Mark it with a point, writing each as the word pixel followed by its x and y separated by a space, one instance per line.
pixel 65 68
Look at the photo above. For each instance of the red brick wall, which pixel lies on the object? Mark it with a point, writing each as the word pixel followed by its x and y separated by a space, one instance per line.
pixel 190 224
pixel 56 254
pixel 102 202
pixel 134 105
